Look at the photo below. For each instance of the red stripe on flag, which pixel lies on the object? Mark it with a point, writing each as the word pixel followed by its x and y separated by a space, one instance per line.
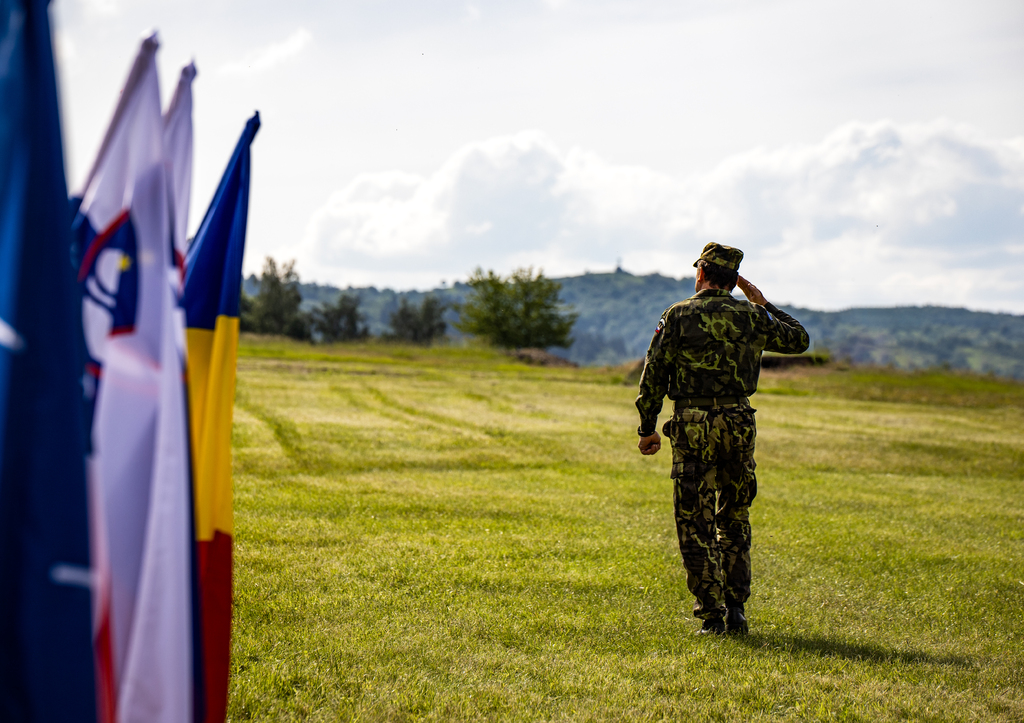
pixel 98 243
pixel 106 702
pixel 215 596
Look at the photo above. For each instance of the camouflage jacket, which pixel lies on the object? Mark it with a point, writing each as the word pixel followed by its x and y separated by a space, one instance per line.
pixel 710 345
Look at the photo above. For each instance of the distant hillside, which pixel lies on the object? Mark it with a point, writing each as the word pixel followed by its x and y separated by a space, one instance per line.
pixel 922 336
pixel 618 312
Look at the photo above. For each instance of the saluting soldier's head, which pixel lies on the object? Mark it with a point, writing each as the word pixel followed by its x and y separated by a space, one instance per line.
pixel 720 265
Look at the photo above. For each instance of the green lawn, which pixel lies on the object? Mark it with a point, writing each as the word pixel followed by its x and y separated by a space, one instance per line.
pixel 444 535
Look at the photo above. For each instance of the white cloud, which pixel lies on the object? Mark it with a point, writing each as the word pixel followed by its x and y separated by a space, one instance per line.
pixel 270 55
pixel 873 214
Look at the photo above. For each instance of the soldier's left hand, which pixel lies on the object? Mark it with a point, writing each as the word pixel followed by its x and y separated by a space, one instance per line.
pixel 650 444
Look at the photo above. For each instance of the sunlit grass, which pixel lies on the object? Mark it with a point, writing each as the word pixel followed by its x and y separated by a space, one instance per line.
pixel 441 534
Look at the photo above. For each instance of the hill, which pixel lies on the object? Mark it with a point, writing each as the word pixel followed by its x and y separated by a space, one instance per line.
pixel 922 337
pixel 618 312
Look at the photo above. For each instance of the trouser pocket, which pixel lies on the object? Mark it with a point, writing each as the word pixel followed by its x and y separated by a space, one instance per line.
pixel 688 430
pixel 741 431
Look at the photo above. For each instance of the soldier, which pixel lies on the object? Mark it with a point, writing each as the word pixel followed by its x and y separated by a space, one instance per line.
pixel 706 355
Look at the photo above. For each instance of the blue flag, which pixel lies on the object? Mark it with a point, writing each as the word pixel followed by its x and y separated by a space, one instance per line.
pixel 46 652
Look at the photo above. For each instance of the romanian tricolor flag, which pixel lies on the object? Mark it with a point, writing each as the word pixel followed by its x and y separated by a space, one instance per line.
pixel 213 278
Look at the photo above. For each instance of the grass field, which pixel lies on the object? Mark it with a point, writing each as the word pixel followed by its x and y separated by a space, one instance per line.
pixel 445 535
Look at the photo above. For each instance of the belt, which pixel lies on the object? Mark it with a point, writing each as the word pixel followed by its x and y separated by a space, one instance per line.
pixel 690 402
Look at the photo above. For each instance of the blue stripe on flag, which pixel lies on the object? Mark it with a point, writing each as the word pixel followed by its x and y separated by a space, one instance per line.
pixel 213 275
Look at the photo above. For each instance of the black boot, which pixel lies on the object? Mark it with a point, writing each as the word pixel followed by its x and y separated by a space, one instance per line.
pixel 712 627
pixel 736 621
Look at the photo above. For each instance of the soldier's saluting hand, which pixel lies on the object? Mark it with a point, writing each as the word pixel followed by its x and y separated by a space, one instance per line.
pixel 753 294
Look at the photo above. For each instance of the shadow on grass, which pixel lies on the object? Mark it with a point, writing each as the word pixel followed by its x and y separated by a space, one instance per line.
pixel 828 647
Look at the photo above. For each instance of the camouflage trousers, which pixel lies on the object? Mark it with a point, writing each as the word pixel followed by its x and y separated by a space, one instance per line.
pixel 713 474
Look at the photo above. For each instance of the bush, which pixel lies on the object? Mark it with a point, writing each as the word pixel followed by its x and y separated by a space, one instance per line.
pixel 340 321
pixel 522 310
pixel 420 324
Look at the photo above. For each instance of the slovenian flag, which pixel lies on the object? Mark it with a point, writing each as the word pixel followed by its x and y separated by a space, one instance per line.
pixel 46 653
pixel 212 287
pixel 139 469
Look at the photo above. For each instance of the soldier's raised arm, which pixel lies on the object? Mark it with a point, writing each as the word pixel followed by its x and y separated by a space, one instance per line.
pixel 785 334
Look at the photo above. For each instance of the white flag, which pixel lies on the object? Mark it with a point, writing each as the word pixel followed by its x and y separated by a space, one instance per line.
pixel 178 150
pixel 140 464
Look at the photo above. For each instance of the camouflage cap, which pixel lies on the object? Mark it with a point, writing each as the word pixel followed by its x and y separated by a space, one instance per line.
pixel 725 256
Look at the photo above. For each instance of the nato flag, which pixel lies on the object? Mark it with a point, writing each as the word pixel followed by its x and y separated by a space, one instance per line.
pixel 46 658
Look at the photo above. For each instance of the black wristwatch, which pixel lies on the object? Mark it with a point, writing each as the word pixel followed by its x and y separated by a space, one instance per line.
pixel 640 431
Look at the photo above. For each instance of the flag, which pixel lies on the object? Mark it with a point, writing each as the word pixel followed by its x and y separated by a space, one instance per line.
pixel 178 155
pixel 213 280
pixel 178 150
pixel 139 467
pixel 46 663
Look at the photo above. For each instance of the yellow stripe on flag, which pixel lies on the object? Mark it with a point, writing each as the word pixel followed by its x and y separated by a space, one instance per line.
pixel 211 390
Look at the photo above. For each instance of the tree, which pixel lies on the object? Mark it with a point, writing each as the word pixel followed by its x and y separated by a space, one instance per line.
pixel 420 324
pixel 522 310
pixel 245 320
pixel 275 309
pixel 340 321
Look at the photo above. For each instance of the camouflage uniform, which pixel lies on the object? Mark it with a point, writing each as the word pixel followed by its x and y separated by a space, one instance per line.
pixel 705 355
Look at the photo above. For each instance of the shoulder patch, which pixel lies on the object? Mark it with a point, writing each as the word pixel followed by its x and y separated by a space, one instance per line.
pixel 660 327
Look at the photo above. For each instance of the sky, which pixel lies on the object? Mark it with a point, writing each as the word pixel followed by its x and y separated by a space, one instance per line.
pixel 860 153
